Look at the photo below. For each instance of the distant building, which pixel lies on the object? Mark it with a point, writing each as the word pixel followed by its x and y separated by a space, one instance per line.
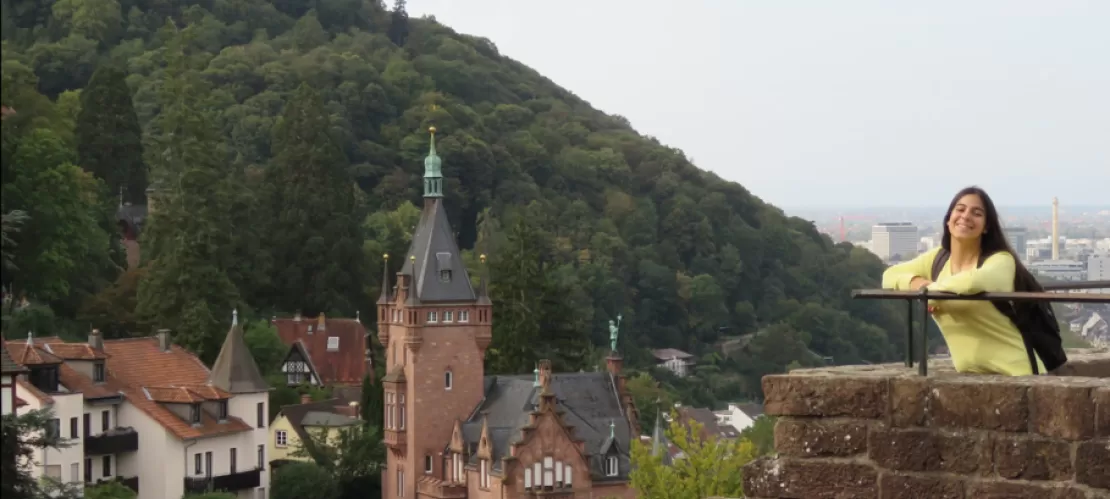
pixel 673 360
pixel 9 370
pixel 1060 270
pixel 300 426
pixel 1098 267
pixel 326 352
pixel 894 241
pixel 1017 237
pixel 739 416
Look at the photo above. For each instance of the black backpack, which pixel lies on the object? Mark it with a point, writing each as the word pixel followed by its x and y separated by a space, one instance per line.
pixel 1035 319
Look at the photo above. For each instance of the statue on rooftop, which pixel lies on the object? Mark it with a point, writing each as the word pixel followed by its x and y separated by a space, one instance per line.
pixel 614 330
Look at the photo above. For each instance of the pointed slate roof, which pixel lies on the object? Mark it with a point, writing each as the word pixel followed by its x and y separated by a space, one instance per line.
pixel 434 250
pixel 235 370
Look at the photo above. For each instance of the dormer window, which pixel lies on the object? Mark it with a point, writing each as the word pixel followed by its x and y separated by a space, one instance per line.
pixel 98 372
pixel 445 276
pixel 310 329
pixel 45 378
pixel 223 410
pixel 194 413
pixel 333 343
pixel 612 467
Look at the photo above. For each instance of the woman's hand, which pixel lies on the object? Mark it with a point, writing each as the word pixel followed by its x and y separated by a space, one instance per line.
pixel 919 282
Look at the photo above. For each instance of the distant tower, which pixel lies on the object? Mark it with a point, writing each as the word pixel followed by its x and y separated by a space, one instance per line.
pixel 1055 229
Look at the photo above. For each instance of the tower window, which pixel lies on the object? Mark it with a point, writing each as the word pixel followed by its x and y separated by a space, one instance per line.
pixel 445 276
pixel 428 464
pixel 448 316
pixel 432 317
pixel 464 316
pixel 448 380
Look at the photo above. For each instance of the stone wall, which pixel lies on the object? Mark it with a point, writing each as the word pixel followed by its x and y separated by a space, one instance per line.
pixel 884 432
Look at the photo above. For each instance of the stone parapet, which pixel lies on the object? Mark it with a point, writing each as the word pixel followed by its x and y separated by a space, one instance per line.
pixel 884 432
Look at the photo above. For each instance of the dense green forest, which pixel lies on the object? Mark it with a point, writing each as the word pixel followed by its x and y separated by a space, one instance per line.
pixel 283 142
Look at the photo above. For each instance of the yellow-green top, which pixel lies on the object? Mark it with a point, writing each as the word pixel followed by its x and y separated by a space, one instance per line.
pixel 980 338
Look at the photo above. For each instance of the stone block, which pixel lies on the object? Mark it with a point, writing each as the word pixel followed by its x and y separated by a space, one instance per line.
pixel 924 450
pixel 1092 464
pixel 825 395
pixel 814 438
pixel 1092 363
pixel 809 478
pixel 1063 409
pixel 1000 489
pixel 909 398
pixel 899 486
pixel 1101 398
pixel 1024 458
pixel 982 402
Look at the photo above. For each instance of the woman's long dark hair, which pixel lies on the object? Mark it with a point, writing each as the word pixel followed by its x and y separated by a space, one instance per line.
pixel 993 239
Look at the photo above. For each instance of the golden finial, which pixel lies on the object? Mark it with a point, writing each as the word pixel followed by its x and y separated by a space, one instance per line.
pixel 432 129
pixel 482 257
pixel 412 258
pixel 385 256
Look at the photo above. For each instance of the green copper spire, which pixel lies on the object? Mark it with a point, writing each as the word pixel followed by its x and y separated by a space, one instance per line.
pixel 536 379
pixel 433 170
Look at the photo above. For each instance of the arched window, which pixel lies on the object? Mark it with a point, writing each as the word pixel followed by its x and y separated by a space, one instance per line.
pixel 448 380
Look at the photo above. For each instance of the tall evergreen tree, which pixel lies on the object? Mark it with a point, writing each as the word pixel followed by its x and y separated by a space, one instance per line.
pixel 399 24
pixel 316 238
pixel 109 138
pixel 188 241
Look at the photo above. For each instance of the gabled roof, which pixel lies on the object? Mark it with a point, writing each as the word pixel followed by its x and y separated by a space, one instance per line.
pixel 70 351
pixel 665 354
pixel 588 404
pixel 708 421
pixel 235 370
pixel 346 365
pixel 140 366
pixel 435 250
pixel 68 377
pixel 7 364
pixel 314 414
pixel 33 356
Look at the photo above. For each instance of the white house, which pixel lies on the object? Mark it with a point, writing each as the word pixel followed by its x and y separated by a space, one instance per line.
pixel 739 416
pixel 9 370
pixel 151 415
pixel 674 360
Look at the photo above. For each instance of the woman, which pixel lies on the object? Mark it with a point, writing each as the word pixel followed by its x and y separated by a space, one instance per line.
pixel 980 338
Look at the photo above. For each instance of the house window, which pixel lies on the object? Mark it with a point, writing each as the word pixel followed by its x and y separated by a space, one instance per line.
pixel 464 316
pixel 611 467
pixel 73 428
pixel 401 406
pixel 194 413
pixel 197 468
pixel 261 414
pixel 445 276
pixel 54 428
pixel 261 456
pixel 98 372
pixel 432 317
pixel 448 380
pixel 104 421
pixel 295 378
pixel 448 316
pixel 527 478
pixel 223 410
pixel 333 343
pixel 566 475
pixel 88 424
pixel 231 460
pixel 548 472
pixel 88 470
pixel 74 472
pixel 400 483
pixel 106 463
pixel 428 464
pixel 281 438
pixel 457 462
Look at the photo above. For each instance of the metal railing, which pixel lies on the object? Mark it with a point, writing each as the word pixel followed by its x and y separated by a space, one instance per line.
pixel 923 296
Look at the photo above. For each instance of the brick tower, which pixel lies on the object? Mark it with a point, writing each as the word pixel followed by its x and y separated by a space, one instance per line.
pixel 435 328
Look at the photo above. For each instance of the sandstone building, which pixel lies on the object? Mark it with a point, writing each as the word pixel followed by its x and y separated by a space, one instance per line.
pixel 453 432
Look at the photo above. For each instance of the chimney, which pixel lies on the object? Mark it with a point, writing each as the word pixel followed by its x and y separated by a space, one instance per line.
pixel 164 340
pixel 297 317
pixel 1055 229
pixel 306 398
pixel 545 373
pixel 321 323
pixel 614 362
pixel 95 340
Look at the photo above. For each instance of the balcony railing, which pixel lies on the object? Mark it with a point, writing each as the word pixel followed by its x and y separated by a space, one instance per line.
pixel 230 482
pixel 923 296
pixel 114 441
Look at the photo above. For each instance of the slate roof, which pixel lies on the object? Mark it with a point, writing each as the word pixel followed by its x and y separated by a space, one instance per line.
pixel 235 370
pixel 348 365
pixel 665 354
pixel 435 249
pixel 589 402
pixel 7 364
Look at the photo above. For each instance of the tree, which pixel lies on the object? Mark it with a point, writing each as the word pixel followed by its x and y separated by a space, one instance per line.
pixel 355 456
pixel 373 405
pixel 316 238
pixel 299 480
pixel 399 24
pixel 707 469
pixel 110 490
pixel 19 437
pixel 761 434
pixel 109 138
pixel 189 238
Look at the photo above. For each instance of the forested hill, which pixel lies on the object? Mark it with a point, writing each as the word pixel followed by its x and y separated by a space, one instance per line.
pixel 256 116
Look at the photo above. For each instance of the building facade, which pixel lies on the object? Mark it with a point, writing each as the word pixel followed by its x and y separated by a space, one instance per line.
pixel 9 371
pixel 325 351
pixel 1018 237
pixel 894 241
pixel 451 431
pixel 149 414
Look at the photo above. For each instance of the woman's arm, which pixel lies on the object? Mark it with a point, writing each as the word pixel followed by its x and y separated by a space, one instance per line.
pixel 995 276
pixel 899 277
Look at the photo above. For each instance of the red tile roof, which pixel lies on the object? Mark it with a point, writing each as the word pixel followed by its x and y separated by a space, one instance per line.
pixel 71 351
pixel 36 356
pixel 176 376
pixel 347 365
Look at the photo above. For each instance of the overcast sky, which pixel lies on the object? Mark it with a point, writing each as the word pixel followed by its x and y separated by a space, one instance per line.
pixel 838 103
